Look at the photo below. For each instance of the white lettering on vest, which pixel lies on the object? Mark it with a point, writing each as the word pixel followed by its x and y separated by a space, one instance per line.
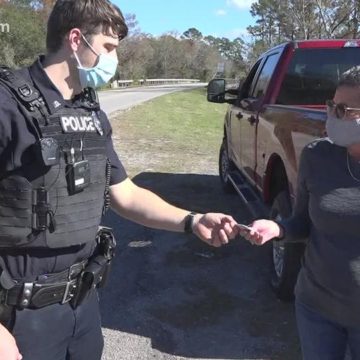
pixel 77 124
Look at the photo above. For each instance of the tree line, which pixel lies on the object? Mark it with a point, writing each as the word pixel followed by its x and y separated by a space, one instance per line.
pixel 285 20
pixel 190 54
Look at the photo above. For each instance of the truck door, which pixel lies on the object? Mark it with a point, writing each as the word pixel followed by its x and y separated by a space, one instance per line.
pixel 236 117
pixel 234 135
pixel 250 104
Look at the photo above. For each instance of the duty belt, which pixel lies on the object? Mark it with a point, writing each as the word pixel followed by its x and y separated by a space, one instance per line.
pixel 55 288
pixel 71 285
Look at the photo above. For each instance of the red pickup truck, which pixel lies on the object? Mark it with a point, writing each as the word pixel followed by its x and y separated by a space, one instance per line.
pixel 273 114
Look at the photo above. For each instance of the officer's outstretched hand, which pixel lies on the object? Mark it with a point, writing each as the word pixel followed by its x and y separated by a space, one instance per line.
pixel 215 229
pixel 8 347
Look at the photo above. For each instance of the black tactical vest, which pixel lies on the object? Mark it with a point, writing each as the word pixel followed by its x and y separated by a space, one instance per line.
pixel 62 204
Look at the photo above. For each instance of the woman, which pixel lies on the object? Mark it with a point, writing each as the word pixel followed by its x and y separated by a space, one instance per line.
pixel 327 212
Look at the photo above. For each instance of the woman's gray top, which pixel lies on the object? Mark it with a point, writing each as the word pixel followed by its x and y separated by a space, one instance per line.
pixel 327 214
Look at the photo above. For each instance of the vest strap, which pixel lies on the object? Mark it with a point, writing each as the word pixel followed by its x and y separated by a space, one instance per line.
pixel 23 91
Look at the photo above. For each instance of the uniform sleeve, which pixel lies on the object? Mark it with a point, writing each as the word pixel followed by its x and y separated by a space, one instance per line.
pixel 297 227
pixel 118 172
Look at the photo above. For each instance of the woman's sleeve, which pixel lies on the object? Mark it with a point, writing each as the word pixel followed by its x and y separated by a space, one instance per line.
pixel 297 227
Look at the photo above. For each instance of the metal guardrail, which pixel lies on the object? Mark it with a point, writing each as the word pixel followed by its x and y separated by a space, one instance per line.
pixel 143 82
pixel 167 81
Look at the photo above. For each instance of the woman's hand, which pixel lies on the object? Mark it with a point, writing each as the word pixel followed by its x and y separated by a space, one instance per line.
pixel 262 231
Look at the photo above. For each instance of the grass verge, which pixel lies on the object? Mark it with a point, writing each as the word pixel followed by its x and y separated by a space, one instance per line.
pixel 177 133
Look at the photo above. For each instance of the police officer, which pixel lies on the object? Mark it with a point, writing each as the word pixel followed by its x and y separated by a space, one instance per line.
pixel 56 154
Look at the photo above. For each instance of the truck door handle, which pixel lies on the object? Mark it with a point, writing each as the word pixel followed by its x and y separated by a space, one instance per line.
pixel 252 119
pixel 239 115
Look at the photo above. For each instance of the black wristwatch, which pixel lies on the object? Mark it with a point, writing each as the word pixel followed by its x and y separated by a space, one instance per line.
pixel 189 220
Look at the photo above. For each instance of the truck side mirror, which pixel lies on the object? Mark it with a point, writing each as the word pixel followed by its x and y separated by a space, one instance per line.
pixel 216 91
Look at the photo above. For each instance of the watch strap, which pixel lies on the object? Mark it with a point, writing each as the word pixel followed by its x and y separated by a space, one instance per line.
pixel 189 220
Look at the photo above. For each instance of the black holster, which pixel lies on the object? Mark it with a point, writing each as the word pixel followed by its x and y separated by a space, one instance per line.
pixel 96 273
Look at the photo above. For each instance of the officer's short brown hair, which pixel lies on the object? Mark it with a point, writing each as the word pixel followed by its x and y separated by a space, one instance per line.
pixel 90 16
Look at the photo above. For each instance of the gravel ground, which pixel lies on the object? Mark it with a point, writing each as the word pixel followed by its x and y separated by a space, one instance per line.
pixel 171 296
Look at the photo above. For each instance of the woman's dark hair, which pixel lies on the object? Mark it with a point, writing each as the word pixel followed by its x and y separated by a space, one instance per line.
pixel 90 16
pixel 350 77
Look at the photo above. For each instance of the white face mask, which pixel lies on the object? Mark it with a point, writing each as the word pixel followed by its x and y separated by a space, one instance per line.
pixel 343 132
pixel 101 73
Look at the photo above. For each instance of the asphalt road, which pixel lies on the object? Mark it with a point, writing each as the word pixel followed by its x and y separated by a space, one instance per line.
pixel 122 99
pixel 171 297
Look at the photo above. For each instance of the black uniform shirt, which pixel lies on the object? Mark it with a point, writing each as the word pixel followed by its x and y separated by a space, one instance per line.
pixel 16 138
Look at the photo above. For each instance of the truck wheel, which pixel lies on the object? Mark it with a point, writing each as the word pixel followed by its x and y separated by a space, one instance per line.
pixel 225 167
pixel 286 257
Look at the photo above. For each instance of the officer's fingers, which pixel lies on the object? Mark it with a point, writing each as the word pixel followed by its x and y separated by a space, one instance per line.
pixel 228 219
pixel 230 232
pixel 223 237
pixel 215 240
pixel 226 226
pixel 258 239
pixel 215 243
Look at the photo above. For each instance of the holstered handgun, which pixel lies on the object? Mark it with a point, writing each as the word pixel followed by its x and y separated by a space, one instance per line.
pixel 97 271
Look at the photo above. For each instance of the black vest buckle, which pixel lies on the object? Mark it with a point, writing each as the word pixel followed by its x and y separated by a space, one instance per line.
pixel 43 217
pixel 25 90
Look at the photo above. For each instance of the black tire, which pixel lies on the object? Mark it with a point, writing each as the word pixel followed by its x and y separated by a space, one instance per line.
pixel 286 257
pixel 225 167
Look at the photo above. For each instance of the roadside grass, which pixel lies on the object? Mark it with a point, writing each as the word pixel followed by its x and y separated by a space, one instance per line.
pixel 177 133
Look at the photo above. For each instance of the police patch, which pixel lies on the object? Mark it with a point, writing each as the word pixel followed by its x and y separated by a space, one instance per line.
pixel 74 123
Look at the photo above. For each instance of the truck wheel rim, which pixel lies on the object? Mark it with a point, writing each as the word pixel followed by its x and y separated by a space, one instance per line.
pixel 278 254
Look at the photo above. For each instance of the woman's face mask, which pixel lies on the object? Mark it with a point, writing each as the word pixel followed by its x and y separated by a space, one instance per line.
pixel 343 124
pixel 101 73
pixel 343 132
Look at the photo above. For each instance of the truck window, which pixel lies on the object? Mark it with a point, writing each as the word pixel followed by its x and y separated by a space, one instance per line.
pixel 259 88
pixel 249 81
pixel 313 74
